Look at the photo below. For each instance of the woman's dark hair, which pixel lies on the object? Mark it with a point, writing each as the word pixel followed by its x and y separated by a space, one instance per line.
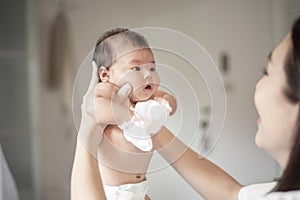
pixel 290 179
pixel 110 42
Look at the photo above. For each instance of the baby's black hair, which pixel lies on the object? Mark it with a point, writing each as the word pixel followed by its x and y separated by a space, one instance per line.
pixel 111 41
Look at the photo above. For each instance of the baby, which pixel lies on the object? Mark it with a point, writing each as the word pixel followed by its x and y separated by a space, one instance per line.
pixel 124 57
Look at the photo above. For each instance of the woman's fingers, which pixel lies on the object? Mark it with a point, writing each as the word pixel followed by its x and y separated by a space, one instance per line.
pixel 123 93
pixel 94 78
pixel 88 98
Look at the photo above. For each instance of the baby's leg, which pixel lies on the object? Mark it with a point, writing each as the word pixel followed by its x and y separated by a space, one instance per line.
pixel 147 197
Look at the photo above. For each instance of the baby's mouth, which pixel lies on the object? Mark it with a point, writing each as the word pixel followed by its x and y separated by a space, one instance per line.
pixel 148 87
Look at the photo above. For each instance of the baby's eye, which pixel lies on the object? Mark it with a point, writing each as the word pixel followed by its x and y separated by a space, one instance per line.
pixel 136 68
pixel 152 69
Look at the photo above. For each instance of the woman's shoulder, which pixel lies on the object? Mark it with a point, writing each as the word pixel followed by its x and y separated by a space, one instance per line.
pixel 261 192
pixel 290 195
pixel 255 191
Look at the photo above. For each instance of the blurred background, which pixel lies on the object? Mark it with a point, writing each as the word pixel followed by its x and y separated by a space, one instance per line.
pixel 43 42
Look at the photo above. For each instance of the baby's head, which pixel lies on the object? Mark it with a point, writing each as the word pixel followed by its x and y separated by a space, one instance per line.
pixel 124 56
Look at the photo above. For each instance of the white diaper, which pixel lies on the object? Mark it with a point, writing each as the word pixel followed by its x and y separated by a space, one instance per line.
pixel 136 191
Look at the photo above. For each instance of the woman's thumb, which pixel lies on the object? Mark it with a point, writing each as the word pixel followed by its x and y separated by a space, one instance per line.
pixel 123 93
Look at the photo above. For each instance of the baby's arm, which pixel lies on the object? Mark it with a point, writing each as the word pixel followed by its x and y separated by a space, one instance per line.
pixel 106 110
pixel 169 98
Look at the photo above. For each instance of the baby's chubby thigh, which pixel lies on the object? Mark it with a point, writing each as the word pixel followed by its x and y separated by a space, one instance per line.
pixel 116 151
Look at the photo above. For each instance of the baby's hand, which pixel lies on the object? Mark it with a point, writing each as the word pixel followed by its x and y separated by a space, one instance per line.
pixel 148 119
pixel 163 97
pixel 137 134
pixel 153 113
pixel 164 103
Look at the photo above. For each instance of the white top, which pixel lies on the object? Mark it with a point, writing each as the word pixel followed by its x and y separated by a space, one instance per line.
pixel 8 190
pixel 261 192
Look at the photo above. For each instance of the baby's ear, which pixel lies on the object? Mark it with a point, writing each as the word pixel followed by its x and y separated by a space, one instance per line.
pixel 104 74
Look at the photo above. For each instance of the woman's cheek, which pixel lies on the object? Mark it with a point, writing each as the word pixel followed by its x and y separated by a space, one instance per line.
pixel 256 99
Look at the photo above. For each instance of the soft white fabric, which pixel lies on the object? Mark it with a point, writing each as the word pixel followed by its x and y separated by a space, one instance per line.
pixel 153 113
pixel 137 134
pixel 135 191
pixel 149 117
pixel 8 190
pixel 261 192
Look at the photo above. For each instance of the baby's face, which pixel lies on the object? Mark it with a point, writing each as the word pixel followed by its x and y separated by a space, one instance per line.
pixel 138 69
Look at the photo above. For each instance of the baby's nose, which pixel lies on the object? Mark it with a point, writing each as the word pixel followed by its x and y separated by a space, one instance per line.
pixel 147 74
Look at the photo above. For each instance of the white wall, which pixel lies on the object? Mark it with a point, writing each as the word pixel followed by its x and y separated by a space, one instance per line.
pixel 243 29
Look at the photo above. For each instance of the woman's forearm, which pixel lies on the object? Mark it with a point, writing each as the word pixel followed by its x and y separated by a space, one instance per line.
pixel 86 180
pixel 205 177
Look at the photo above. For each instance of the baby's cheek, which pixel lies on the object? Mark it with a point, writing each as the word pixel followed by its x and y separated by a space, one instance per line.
pixel 156 79
pixel 134 97
pixel 132 78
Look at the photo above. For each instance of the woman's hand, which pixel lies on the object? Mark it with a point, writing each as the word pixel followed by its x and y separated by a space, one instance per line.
pixel 111 91
pixel 86 180
pixel 90 133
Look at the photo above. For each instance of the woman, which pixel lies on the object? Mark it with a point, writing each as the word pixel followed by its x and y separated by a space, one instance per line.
pixel 277 99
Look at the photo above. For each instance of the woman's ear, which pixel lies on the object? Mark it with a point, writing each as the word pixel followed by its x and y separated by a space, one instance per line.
pixel 104 74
